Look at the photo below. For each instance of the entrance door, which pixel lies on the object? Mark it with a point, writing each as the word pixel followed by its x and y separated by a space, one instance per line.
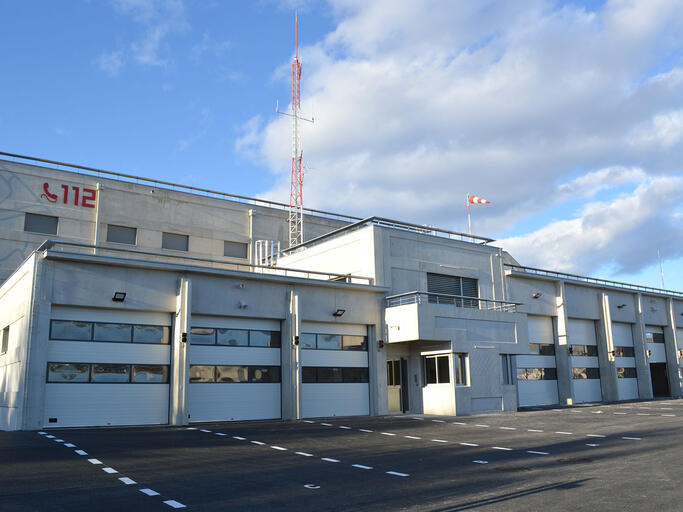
pixel 397 388
pixel 660 381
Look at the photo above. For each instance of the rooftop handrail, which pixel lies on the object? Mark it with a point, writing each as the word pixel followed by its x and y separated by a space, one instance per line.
pixel 207 262
pixel 593 280
pixel 394 224
pixel 167 185
pixel 421 297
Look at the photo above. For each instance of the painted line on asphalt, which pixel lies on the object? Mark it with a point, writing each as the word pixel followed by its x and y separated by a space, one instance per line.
pixel 591 444
pixel 279 448
pixel 94 461
pixel 669 415
pixel 239 438
pixel 643 414
pixel 396 473
pixel 632 438
pixel 479 461
pixel 438 421
pixel 439 440
pixel 149 492
pixel 327 459
pixel 564 433
pixel 42 433
pixel 257 442
pixel 81 452
pixel 459 423
pixel 304 454
pixel 50 437
pixel 111 471
pixel 533 430
pixel 360 466
pixel 326 424
pixel 534 452
pixel 507 428
pixel 365 430
pixel 345 427
pixel 204 430
pixel 127 481
pixel 309 421
pixel 595 435
pixel 484 426
pixel 58 440
pixel 412 437
pixel 621 413
pixel 502 448
pixel 69 445
pixel 174 504
pixel 387 434
pixel 469 444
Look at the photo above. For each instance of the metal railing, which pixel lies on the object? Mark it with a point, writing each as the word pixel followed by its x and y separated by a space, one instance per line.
pixel 593 280
pixel 76 248
pixel 167 185
pixel 461 301
pixel 393 224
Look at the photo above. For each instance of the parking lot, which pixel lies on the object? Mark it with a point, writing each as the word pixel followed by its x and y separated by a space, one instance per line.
pixel 601 457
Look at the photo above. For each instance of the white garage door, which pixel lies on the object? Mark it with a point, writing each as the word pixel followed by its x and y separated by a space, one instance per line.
pixel 107 368
pixel 655 344
pixel 584 361
pixel 627 383
pixel 234 369
pixel 334 360
pixel 536 374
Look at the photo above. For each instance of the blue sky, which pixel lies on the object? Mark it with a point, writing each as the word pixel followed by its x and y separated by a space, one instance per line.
pixel 567 116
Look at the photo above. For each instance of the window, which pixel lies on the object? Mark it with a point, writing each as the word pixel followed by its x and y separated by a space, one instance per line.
pixel 393 373
pixel 70 330
pixel 231 374
pixel 264 338
pixel 536 374
pixel 121 234
pixel 174 242
pixel 437 369
pixel 68 372
pixel 233 337
pixel 46 224
pixel 624 352
pixel 329 341
pixel 354 342
pixel 506 363
pixel 202 373
pixel 331 375
pixel 626 373
pixel 5 341
pixel 107 373
pixel 583 350
pixel 235 249
pixel 264 374
pixel 452 285
pixel 654 337
pixel 460 361
pixel 202 336
pixel 307 340
pixel 543 349
pixel 151 334
pixel 585 373
pixel 110 373
pixel 113 332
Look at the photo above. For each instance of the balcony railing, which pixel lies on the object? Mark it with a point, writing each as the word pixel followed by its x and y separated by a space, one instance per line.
pixel 460 301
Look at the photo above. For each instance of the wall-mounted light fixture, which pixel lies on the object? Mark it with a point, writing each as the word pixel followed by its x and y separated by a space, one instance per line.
pixel 680 353
pixel 621 306
pixel 339 313
pixel 119 296
pixel 536 295
pixel 380 344
pixel 649 353
pixel 242 305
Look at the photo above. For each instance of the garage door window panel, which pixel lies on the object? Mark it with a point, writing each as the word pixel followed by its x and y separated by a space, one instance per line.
pixel 354 342
pixel 543 349
pixel 584 350
pixel 264 339
pixel 202 373
pixel 624 352
pixel 329 341
pixel 68 372
pixel 536 374
pixel 627 373
pixel 264 374
pixel 149 374
pixel 70 330
pixel 202 336
pixel 307 340
pixel 232 374
pixel 151 334
pixel 110 373
pixel 329 374
pixel 233 337
pixel 585 373
pixel 654 337
pixel 355 375
pixel 112 332
pixel 309 375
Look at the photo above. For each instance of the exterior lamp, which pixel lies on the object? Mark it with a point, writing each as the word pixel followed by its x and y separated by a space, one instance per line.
pixel 536 295
pixel 339 313
pixel 119 296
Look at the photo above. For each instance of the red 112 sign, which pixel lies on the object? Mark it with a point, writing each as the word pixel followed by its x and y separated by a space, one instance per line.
pixel 86 196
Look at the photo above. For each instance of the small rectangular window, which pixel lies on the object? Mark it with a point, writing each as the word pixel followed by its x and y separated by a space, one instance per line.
pixel 355 375
pixel 583 350
pixel 654 337
pixel 264 374
pixel 68 372
pixel 460 368
pixel 308 375
pixel 5 341
pixel 624 352
pixel 264 339
pixel 149 374
pixel 174 242
pixel 354 342
pixel 232 374
pixel 536 374
pixel 585 373
pixel 437 369
pixel 112 332
pixel 328 374
pixel 110 373
pixel 443 370
pixel 151 334
pixel 307 340
pixel 329 341
pixel 121 234
pixel 202 373
pixel 202 336
pixel 390 373
pixel 35 223
pixel 235 250
pixel 506 364
pixel 70 330
pixel 233 337
pixel 626 373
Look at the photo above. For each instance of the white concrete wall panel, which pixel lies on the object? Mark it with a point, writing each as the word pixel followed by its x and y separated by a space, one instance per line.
pixel 81 405
pixel 628 388
pixel 439 399
pixel 537 392
pixel 622 334
pixel 346 399
pixel 586 390
pixel 522 289
pixel 581 332
pixel 233 401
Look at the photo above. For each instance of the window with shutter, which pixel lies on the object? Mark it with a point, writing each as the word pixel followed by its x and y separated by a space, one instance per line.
pixel 452 285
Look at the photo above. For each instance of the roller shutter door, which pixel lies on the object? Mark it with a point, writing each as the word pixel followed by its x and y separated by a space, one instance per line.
pixel 335 372
pixel 234 369
pixel 584 365
pixel 625 361
pixel 535 384
pixel 107 368
pixel 657 349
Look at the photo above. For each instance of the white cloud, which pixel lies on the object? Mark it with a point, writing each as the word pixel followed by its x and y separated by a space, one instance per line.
pixel 418 103
pixel 111 63
pixel 664 131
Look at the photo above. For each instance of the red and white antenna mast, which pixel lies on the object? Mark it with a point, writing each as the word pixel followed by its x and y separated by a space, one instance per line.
pixel 296 201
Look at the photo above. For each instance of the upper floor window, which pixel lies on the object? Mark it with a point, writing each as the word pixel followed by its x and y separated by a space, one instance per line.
pixel 654 337
pixel 442 284
pixel 35 223
pixel 506 363
pixel 5 340
pixel 121 234
pixel 544 349
pixel 436 369
pixel 235 249
pixel 175 242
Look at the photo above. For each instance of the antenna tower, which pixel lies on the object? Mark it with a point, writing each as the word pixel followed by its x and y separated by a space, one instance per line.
pixel 296 202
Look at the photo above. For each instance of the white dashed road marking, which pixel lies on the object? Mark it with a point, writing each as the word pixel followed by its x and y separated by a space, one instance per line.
pixel 438 421
pixel 396 473
pixel 279 448
pixel 589 444
pixel 480 461
pixel 468 444
pixel 360 466
pixel 111 471
pixel 309 421
pixel 204 430
pixel 127 480
pixel 412 437
pixel 622 413
pixel 42 433
pixel 533 430
pixel 174 504
pixel 304 454
pixel 365 430
pixel 59 440
pixel 595 435
pixel 459 423
pixel 94 461
pixel 50 437
pixel 221 434
pixel 507 428
pixel 485 426
pixel 258 443
pixel 345 427
pixel 239 438
pixel 564 433
pixel 537 453
pixel 670 415
pixel 329 460
pixel 69 445
pixel 81 452
pixel 149 492
pixel 502 448
pixel 439 440
pixel 387 434
pixel 326 424
pixel 632 438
